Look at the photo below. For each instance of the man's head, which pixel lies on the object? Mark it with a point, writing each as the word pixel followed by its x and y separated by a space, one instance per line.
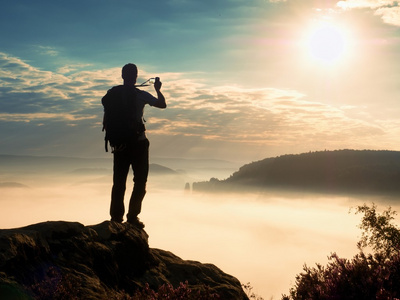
pixel 129 73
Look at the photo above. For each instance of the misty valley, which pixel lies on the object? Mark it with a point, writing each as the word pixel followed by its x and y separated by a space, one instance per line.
pixel 263 236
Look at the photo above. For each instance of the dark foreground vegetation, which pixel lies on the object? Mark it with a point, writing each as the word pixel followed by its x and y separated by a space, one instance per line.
pixel 374 275
pixel 58 287
pixel 349 171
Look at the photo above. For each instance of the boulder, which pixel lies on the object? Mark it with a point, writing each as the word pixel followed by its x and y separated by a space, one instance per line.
pixel 102 261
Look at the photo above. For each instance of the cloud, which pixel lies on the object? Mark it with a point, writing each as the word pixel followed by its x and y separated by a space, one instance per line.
pixel 47 50
pixel 257 117
pixel 29 117
pixel 26 89
pixel 199 119
pixel 390 15
pixel 388 10
pixel 366 3
pixel 72 68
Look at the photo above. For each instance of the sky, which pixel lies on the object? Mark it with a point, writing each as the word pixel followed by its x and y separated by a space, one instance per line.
pixel 243 79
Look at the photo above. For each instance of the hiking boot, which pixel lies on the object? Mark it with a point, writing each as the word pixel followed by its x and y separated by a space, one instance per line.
pixel 116 220
pixel 136 222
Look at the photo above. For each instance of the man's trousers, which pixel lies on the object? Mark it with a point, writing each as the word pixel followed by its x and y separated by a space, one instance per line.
pixel 135 155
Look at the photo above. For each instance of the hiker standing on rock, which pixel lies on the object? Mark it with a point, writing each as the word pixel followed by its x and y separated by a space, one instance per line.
pixel 125 131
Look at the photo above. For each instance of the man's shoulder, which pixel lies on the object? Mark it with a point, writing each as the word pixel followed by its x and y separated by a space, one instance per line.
pixel 144 95
pixel 116 88
pixel 140 92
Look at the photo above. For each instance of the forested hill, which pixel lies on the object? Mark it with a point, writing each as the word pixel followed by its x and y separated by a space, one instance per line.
pixel 363 171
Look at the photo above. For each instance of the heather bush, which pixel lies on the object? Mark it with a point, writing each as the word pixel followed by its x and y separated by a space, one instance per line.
pixel 55 286
pixel 168 292
pixel 248 290
pixel 373 275
pixel 378 232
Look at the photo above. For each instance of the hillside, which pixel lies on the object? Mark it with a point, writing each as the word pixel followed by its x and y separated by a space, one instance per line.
pixel 65 165
pixel 354 171
pixel 67 260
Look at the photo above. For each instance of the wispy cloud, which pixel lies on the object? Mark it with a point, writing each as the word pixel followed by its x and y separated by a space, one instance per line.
pixel 389 10
pixel 29 117
pixel 260 116
pixel 196 112
pixel 47 50
pixel 72 68
pixel 366 3
pixel 26 89
pixel 390 15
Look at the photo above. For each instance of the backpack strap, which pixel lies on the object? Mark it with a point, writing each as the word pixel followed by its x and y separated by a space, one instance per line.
pixel 105 138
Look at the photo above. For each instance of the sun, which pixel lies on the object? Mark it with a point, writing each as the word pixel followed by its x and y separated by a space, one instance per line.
pixel 327 43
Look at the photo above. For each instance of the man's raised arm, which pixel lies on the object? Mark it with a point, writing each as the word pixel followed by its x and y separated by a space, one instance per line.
pixel 160 103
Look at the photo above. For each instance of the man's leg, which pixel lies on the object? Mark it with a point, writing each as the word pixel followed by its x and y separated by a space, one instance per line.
pixel 140 166
pixel 121 169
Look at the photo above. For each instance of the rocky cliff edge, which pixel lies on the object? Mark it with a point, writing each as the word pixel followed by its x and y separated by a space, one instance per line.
pixel 104 261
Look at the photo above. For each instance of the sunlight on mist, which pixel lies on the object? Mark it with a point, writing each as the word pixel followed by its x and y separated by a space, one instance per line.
pixel 264 241
pixel 258 238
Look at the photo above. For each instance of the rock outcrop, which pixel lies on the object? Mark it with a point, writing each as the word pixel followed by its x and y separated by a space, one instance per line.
pixel 101 261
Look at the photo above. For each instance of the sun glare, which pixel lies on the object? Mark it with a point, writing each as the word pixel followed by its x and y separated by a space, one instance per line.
pixel 327 43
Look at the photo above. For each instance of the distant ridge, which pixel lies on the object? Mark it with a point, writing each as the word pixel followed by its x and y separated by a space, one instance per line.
pixel 51 163
pixel 8 184
pixel 71 165
pixel 354 171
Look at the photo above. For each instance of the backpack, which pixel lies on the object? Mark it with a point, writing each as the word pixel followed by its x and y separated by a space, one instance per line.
pixel 120 117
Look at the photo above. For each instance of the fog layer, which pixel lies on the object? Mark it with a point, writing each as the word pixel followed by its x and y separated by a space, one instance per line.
pixel 259 238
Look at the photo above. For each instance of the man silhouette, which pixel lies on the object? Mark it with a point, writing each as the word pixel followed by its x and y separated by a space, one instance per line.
pixel 135 151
